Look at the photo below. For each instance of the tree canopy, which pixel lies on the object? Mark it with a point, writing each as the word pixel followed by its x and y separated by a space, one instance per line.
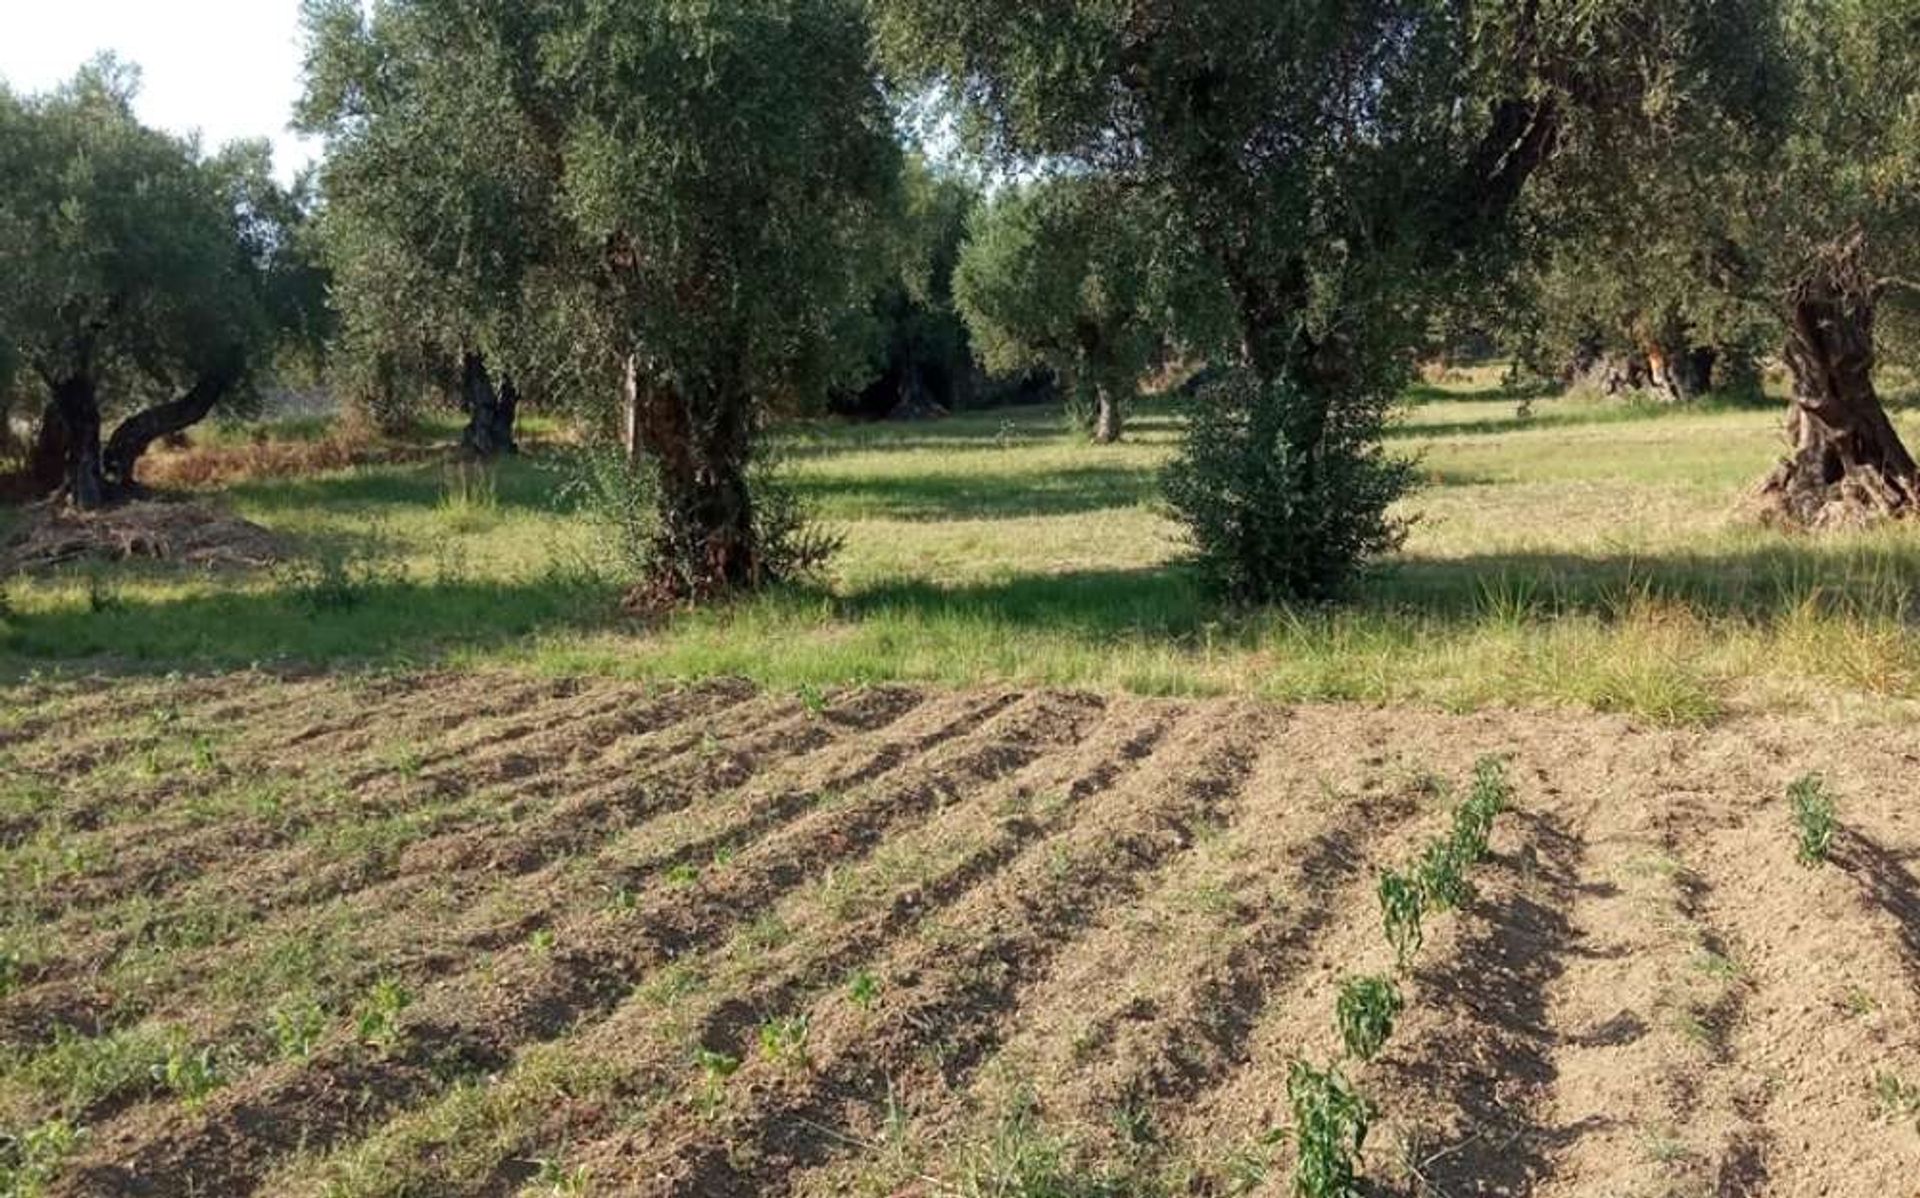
pixel 139 272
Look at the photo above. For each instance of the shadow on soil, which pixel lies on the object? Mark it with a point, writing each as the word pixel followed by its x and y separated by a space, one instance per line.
pixel 1491 1064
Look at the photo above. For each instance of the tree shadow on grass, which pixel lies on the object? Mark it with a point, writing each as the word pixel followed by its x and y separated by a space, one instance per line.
pixel 980 496
pixel 528 482
pixel 386 622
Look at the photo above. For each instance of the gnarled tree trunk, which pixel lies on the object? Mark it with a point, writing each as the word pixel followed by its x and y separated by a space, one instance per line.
pixel 699 444
pixel 77 404
pixel 490 410
pixel 139 431
pixel 1847 465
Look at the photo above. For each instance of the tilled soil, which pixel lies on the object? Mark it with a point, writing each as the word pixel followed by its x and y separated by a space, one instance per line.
pixel 709 940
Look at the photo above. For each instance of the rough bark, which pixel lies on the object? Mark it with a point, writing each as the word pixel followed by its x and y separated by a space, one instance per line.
pixel 1847 465
pixel 1106 415
pixel 138 432
pixel 698 444
pixel 490 410
pixel 77 402
pixel 47 463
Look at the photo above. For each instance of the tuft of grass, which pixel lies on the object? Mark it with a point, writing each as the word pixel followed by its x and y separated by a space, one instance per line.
pixel 1813 820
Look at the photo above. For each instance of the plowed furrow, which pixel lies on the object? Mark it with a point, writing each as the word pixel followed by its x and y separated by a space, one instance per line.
pixel 1823 1014
pixel 277 892
pixel 648 1052
pixel 1471 1066
pixel 525 996
pixel 953 990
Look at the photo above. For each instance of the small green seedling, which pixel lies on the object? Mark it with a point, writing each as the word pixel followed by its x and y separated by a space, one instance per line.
pixel 189 1074
pixel 1400 909
pixel 542 941
pixel 784 1040
pixel 864 989
pixel 1442 878
pixel 813 701
pixel 378 1020
pixel 1365 1012
pixel 1898 1098
pixel 1330 1124
pixel 683 875
pixel 1813 819
pixel 297 1027
pixel 715 1069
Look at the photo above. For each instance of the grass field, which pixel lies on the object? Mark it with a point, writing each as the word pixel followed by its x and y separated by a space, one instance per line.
pixel 985 868
pixel 1591 555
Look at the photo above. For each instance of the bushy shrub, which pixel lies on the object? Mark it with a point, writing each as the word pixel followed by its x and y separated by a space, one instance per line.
pixel 1285 497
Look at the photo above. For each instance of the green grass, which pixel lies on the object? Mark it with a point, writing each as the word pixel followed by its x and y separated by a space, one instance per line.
pixel 1587 555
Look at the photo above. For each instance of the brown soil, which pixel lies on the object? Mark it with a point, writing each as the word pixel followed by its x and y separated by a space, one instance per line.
pixel 193 534
pixel 1123 916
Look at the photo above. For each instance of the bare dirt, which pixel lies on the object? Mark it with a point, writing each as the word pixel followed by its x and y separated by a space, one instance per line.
pixel 715 941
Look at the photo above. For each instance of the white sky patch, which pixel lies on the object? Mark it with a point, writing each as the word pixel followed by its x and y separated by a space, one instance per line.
pixel 227 68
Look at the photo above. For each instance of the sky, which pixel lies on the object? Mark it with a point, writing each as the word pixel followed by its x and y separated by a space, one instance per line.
pixel 228 68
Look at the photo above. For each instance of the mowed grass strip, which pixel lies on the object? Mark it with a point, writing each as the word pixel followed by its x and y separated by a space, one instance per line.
pixel 1588 554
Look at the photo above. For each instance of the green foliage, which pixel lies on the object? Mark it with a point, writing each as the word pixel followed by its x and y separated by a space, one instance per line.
pixel 1814 819
pixel 1897 1098
pixel 1269 520
pixel 1062 274
pixel 31 1159
pixel 188 1073
pixel 139 272
pixel 864 989
pixel 715 1069
pixel 297 1026
pixel 1401 907
pixel 1330 1124
pixel 377 1019
pixel 1442 878
pixel 1473 820
pixel 783 1040
pixel 1365 1013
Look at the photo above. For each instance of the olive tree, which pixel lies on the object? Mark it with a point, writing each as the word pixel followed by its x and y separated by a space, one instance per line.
pixel 1842 235
pixel 1055 275
pixel 440 177
pixel 726 165
pixel 1343 165
pixel 139 275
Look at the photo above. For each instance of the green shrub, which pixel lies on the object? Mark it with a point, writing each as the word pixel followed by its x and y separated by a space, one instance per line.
pixel 1281 500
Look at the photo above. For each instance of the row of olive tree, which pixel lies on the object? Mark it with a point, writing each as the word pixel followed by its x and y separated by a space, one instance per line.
pixel 1674 179
pixel 142 278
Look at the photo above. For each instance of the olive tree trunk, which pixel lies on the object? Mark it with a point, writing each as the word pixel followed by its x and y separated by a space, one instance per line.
pixel 491 410
pixel 138 432
pixel 72 424
pixel 1847 465
pixel 1106 415
pixel 698 441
